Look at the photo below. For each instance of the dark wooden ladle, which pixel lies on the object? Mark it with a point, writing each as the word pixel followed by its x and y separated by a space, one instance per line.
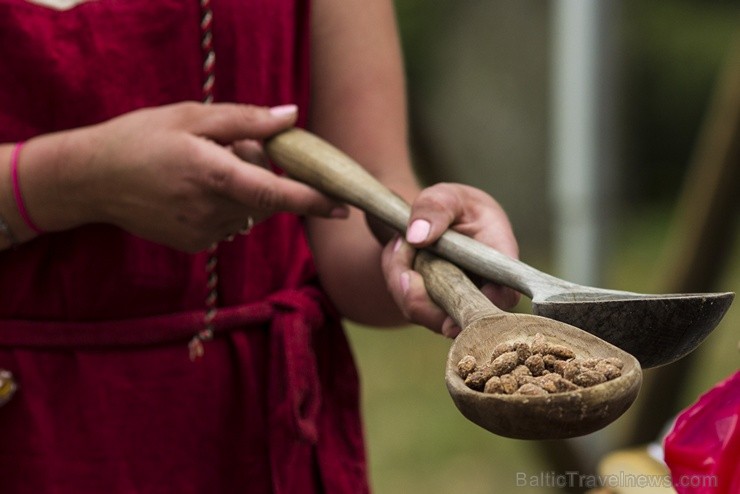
pixel 554 416
pixel 657 329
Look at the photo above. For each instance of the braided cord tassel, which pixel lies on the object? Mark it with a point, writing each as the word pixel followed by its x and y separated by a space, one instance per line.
pixel 196 348
pixel 206 45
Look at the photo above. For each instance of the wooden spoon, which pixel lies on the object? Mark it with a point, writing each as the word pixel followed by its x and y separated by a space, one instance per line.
pixel 553 416
pixel 657 329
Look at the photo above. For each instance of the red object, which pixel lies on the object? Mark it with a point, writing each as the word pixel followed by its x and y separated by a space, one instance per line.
pixel 703 448
pixel 95 322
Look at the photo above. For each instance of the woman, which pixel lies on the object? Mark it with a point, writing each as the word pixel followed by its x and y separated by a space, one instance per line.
pixel 169 327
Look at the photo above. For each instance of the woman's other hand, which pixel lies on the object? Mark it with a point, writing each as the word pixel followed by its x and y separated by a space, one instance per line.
pixel 465 209
pixel 177 175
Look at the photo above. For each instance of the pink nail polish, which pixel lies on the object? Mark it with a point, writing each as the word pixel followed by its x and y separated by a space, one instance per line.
pixel 397 245
pixel 339 212
pixel 405 282
pixel 418 231
pixel 283 110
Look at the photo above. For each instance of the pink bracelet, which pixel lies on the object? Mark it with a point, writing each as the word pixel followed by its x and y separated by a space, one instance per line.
pixel 17 189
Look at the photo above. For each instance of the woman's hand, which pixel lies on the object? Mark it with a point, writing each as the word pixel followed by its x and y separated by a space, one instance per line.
pixel 176 175
pixel 465 209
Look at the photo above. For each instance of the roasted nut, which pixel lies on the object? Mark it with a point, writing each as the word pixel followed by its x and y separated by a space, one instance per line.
pixel 587 363
pixel 522 380
pixel 589 378
pixel 571 369
pixel 523 352
pixel 535 364
pixel 538 343
pixel 509 384
pixel 547 382
pixel 537 368
pixel 610 371
pixel 559 351
pixel 521 370
pixel 504 363
pixel 531 390
pixel 554 364
pixel 493 386
pixel 502 348
pixel 615 362
pixel 477 379
pixel 562 384
pixel 522 374
pixel 466 366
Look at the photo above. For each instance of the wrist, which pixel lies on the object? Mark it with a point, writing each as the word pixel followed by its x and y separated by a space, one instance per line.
pixel 15 229
pixel 41 185
pixel 58 193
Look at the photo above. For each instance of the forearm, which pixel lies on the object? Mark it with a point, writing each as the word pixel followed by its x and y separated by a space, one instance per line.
pixel 348 259
pixel 359 106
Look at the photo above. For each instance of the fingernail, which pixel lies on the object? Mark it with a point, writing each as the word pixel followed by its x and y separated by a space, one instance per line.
pixel 451 331
pixel 405 282
pixel 339 212
pixel 283 110
pixel 455 330
pixel 397 245
pixel 418 231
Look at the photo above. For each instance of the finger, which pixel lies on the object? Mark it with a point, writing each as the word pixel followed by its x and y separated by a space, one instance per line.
pixel 450 329
pixel 407 286
pixel 272 193
pixel 251 151
pixel 227 122
pixel 396 258
pixel 416 304
pixel 261 190
pixel 502 296
pixel 432 213
pixel 492 227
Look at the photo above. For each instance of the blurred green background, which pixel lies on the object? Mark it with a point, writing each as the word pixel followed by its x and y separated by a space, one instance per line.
pixel 478 83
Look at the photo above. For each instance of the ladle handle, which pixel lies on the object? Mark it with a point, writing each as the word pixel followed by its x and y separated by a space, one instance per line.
pixel 315 162
pixel 448 286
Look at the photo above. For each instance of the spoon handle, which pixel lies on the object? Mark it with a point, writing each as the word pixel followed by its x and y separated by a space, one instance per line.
pixel 448 286
pixel 315 162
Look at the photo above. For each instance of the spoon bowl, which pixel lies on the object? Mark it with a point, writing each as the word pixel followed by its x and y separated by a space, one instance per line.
pixel 552 416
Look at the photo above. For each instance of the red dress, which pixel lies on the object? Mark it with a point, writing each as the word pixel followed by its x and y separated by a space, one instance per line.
pixel 95 322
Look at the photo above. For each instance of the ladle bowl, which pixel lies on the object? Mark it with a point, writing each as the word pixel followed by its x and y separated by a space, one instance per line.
pixel 552 416
pixel 656 329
